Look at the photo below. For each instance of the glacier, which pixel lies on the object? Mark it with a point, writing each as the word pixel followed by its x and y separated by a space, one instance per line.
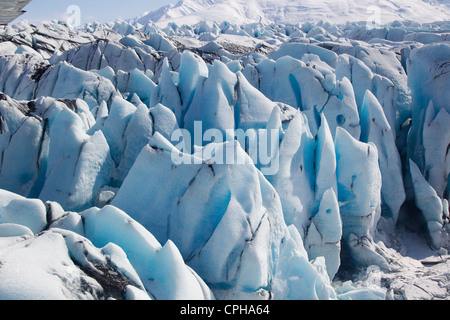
pixel 224 160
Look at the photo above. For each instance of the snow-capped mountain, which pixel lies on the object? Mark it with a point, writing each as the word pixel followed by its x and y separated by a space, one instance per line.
pixel 294 11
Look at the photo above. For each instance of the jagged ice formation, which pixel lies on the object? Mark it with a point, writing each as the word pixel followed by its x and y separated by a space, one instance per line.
pixel 93 164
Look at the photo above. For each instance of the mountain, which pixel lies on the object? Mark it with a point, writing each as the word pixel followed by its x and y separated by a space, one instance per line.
pixel 293 11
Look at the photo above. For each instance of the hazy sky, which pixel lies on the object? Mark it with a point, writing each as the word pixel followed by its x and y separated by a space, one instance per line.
pixel 90 10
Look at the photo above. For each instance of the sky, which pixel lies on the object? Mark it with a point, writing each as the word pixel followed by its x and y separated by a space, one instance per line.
pixel 90 10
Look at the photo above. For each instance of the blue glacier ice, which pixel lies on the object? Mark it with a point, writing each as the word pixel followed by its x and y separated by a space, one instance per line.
pixel 431 206
pixel 166 92
pixel 213 101
pixel 428 79
pixel 78 165
pixel 198 204
pixel 223 161
pixel 192 70
pixel 359 188
pixel 325 233
pixel 107 241
pixel 325 161
pixel 295 178
pixel 436 154
pixel 376 129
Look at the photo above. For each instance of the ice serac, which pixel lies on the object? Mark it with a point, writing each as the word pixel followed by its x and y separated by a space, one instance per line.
pixel 68 271
pixel 213 101
pixel 385 64
pixel 359 194
pixel 166 92
pixel 323 237
pixel 311 87
pixel 437 152
pixel 428 78
pixel 141 85
pixel 138 131
pixel 32 259
pixel 78 164
pixel 296 277
pixel 161 268
pixel 325 161
pixel 101 54
pixel 325 232
pixel 252 108
pixel 307 171
pixel 376 129
pixel 67 82
pixel 115 125
pixel 26 135
pixel 164 120
pixel 24 144
pixel 96 254
pixel 135 136
pixel 18 75
pixel 341 109
pixel 292 82
pixel 277 82
pixel 431 206
pixel 192 69
pixel 197 204
pixel 363 79
pixel 294 181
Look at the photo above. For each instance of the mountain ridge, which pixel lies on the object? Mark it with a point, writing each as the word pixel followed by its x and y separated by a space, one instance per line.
pixel 290 11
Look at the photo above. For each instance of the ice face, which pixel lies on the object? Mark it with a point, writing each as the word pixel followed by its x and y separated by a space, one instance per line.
pixel 196 205
pixel 295 179
pixel 325 232
pixel 437 158
pixel 427 78
pixel 78 165
pixel 68 82
pixel 213 101
pixel 192 70
pixel 102 260
pixel 430 204
pixel 166 92
pixel 252 109
pixel 359 188
pixel 428 155
pixel 325 159
pixel 24 144
pixel 376 129
pixel 103 54
pixel 163 272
